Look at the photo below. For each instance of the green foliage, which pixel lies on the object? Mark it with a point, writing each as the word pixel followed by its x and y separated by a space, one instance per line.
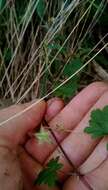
pixel 43 136
pixel 98 124
pixel 41 8
pixel 49 174
pixel 57 47
pixel 27 23
pixel 7 55
pixel 72 67
pixel 2 3
pixel 70 87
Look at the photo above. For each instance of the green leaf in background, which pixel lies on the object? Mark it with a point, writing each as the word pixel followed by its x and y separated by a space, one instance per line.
pixel 69 89
pixel 2 3
pixel 57 47
pixel 72 67
pixel 98 124
pixel 49 174
pixel 7 55
pixel 41 8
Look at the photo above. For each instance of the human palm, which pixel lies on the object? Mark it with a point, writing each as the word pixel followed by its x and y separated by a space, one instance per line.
pixel 87 155
pixel 16 165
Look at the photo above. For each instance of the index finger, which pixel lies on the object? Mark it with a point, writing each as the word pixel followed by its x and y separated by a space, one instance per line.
pixel 69 117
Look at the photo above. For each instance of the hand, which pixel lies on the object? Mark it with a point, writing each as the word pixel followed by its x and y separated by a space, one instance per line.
pixel 13 135
pixel 87 155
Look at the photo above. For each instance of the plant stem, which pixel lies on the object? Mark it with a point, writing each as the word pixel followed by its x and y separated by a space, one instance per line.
pixel 81 177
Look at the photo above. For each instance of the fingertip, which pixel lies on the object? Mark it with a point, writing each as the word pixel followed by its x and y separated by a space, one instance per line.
pixel 54 106
pixel 36 112
pixel 75 183
pixel 54 99
pixel 40 104
pixel 98 85
pixel 21 119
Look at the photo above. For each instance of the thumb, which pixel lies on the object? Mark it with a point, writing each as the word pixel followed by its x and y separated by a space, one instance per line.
pixel 17 127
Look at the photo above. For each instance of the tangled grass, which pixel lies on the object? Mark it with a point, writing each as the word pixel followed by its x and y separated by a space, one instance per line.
pixel 51 48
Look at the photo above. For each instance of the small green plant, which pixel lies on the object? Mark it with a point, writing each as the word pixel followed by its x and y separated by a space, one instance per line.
pixel 49 174
pixel 98 124
pixel 41 8
pixel 70 88
pixel 43 136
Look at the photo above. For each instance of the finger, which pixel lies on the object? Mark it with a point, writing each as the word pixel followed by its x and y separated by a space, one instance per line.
pixel 31 169
pixel 29 166
pixel 98 179
pixel 28 186
pixel 78 145
pixel 69 117
pixel 96 158
pixel 45 187
pixel 16 128
pixel 54 106
pixel 74 183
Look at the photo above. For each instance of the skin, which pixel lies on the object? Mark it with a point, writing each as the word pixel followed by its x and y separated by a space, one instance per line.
pixel 13 135
pixel 88 155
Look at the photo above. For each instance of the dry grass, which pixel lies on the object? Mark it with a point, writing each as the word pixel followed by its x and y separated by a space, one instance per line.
pixel 27 67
